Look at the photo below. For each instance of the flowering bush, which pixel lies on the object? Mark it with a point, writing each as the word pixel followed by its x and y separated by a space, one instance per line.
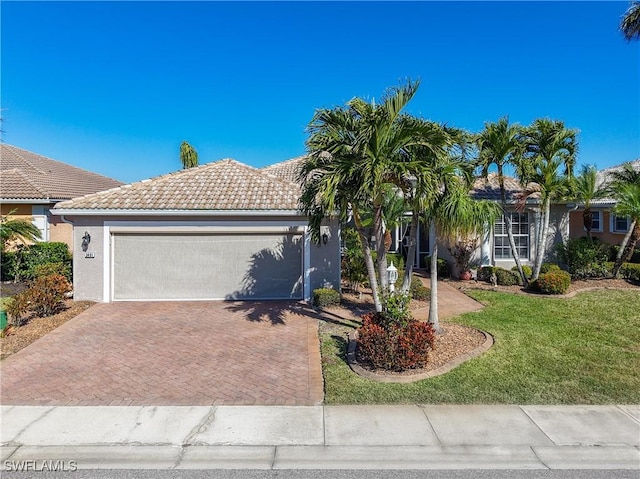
pixel 394 346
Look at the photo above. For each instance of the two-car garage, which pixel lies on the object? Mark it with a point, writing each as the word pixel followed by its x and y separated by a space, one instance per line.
pixel 183 266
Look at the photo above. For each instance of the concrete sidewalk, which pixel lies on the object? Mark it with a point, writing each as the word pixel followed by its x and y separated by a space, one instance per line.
pixel 323 437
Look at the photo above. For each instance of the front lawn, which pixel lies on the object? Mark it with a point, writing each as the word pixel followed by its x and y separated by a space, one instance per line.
pixel 582 350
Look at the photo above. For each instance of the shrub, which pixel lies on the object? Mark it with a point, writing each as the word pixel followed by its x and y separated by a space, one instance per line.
pixel 17 309
pixel 39 254
pixel 394 347
pixel 553 282
pixel 613 252
pixel 9 266
pixel 584 258
pixel 630 271
pixel 323 297
pixel 395 308
pixel 507 278
pixel 48 269
pixel 484 273
pixel 418 290
pixel 45 295
pixel 444 268
pixel 547 267
pixel 525 269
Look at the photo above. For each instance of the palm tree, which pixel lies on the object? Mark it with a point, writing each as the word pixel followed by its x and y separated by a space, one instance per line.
pixel 354 153
pixel 547 170
pixel 624 186
pixel 630 23
pixel 586 190
pixel 500 144
pixel 188 155
pixel 454 213
pixel 17 228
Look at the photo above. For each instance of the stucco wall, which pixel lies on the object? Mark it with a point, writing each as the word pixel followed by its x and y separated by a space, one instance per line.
pixel 606 235
pixel 325 259
pixel 89 272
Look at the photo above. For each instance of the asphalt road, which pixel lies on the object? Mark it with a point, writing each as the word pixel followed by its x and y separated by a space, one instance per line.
pixel 330 474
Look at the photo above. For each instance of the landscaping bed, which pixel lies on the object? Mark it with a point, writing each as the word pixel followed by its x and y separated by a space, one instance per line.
pixel 579 350
pixel 18 338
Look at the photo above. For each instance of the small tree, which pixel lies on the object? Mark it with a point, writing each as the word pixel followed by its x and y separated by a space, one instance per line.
pixel 17 228
pixel 188 156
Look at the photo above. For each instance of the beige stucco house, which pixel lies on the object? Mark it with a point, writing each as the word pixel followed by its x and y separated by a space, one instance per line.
pixel 31 184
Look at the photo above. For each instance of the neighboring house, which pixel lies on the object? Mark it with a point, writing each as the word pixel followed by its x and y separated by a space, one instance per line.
pixel 31 184
pixel 607 227
pixel 223 230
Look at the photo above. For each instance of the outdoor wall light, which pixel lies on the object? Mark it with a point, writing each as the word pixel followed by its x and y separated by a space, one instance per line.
pixel 86 239
pixel 325 238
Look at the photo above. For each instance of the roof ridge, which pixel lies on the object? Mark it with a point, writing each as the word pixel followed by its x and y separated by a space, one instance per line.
pixel 28 180
pixel 280 163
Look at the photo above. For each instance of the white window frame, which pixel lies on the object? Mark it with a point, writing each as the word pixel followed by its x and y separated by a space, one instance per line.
pixel 613 221
pixel 597 213
pixel 501 221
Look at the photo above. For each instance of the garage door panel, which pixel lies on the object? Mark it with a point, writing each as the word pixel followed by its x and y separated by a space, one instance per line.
pixel 213 266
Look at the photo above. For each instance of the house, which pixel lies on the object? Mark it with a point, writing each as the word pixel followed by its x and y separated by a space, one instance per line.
pixel 493 248
pixel 223 230
pixel 31 184
pixel 607 227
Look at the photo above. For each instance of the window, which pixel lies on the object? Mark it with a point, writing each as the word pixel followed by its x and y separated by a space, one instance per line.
pixel 520 227
pixel 596 222
pixel 619 224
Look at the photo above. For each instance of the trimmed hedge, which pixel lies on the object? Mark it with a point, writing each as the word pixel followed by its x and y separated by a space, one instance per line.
pixel 547 267
pixel 553 282
pixel 323 297
pixel 507 278
pixel 526 269
pixel 630 271
pixel 28 261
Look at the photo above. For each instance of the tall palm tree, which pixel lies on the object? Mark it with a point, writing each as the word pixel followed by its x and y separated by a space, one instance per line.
pixel 624 186
pixel 454 213
pixel 354 152
pixel 630 23
pixel 500 144
pixel 17 228
pixel 547 170
pixel 188 155
pixel 586 189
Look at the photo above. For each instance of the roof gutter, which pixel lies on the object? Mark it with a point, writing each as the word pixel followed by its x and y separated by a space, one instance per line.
pixel 103 212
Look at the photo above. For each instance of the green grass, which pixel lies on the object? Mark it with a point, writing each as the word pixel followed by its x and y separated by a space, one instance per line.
pixel 582 350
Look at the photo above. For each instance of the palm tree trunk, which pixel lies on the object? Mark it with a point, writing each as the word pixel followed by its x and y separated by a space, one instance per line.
pixel 512 244
pixel 433 301
pixel 368 261
pixel 623 247
pixel 542 239
pixel 378 231
pixel 411 253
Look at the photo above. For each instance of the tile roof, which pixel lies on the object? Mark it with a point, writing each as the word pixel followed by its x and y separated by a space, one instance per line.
pixel 602 177
pixel 221 185
pixel 287 170
pixel 489 188
pixel 27 175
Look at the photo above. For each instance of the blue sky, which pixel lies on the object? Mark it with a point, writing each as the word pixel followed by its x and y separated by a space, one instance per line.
pixel 114 87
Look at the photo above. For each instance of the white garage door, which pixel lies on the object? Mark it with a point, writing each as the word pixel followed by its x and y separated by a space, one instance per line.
pixel 207 266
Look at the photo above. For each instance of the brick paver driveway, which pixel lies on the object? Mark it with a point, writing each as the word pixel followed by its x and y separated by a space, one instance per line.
pixel 172 353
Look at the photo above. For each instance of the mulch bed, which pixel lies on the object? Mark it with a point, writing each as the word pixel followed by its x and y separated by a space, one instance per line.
pixel 575 287
pixel 18 338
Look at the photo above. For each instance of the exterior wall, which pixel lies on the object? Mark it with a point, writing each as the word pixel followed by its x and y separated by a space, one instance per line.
pixel 577 230
pixel 55 229
pixel 92 273
pixel 325 259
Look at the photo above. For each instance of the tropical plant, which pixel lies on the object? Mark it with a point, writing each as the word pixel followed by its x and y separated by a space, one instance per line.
pixel 454 214
pixel 17 229
pixel 586 190
pixel 547 169
pixel 188 155
pixel 500 144
pixel 630 23
pixel 354 153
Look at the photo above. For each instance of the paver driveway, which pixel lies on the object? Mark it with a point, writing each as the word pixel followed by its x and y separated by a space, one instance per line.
pixel 172 353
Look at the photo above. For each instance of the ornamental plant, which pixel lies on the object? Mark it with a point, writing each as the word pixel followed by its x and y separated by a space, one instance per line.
pixel 553 282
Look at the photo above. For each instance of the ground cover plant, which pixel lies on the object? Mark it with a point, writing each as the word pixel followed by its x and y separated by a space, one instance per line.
pixel 580 350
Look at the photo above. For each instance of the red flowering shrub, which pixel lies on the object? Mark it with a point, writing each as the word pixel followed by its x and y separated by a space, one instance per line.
pixel 394 346
pixel 553 282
